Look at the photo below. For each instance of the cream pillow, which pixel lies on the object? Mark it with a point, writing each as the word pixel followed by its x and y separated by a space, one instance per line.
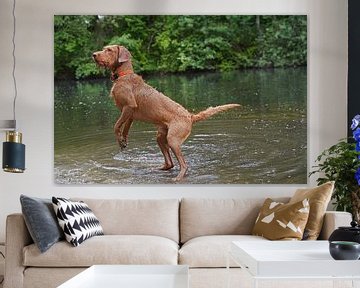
pixel 319 198
pixel 279 221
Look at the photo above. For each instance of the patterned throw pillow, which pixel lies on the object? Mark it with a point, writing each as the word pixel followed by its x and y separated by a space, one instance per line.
pixel 319 198
pixel 279 221
pixel 77 220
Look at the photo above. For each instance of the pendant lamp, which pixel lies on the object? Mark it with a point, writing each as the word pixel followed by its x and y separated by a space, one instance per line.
pixel 13 149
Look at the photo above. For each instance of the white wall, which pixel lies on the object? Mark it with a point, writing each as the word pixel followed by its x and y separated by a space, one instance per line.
pixel 327 89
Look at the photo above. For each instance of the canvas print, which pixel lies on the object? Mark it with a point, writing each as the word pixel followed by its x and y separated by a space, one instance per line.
pixel 180 99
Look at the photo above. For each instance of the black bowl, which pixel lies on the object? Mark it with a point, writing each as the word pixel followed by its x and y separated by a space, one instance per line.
pixel 344 250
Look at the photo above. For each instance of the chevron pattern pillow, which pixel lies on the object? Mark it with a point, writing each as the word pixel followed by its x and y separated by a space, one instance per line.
pixel 77 220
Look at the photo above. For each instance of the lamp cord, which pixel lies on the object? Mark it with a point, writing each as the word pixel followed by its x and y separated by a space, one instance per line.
pixel 14 60
pixel 2 280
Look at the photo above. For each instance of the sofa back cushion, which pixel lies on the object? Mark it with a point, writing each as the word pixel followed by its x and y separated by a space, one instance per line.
pixel 158 217
pixel 201 217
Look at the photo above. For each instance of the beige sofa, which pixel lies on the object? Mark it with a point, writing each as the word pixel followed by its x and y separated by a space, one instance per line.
pixel 194 232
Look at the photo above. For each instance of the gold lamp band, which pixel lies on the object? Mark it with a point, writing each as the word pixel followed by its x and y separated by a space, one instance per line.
pixel 13 136
pixel 13 170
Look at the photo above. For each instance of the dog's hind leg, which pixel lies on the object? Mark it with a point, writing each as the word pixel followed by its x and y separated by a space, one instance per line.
pixel 176 136
pixel 164 147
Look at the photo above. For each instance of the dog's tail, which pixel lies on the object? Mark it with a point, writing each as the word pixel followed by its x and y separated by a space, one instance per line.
pixel 211 111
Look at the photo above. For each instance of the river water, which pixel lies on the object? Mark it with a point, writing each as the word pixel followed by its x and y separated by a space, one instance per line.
pixel 263 142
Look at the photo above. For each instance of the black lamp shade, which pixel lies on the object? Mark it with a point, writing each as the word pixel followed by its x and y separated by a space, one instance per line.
pixel 13 157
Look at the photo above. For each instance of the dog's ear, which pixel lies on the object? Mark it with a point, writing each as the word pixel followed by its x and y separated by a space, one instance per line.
pixel 124 54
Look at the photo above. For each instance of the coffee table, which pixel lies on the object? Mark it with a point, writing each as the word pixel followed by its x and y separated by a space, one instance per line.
pixel 131 276
pixel 293 260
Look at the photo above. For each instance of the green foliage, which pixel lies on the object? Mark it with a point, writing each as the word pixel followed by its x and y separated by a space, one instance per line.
pixel 73 46
pixel 339 163
pixel 180 43
pixel 283 42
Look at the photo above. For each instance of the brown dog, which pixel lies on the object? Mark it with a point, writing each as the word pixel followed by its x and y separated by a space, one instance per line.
pixel 139 101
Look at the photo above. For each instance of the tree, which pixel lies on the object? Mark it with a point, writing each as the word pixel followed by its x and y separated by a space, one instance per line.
pixel 180 43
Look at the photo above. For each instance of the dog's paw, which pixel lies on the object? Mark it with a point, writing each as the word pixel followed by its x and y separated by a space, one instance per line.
pixel 166 167
pixel 122 143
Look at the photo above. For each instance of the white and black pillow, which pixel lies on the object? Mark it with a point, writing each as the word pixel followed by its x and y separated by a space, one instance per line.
pixel 77 220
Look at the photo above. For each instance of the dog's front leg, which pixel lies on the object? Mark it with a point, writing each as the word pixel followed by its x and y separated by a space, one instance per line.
pixel 122 126
pixel 125 133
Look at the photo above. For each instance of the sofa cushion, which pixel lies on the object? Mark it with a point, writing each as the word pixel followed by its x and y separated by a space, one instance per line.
pixel 279 221
pixel 41 221
pixel 35 277
pixel 201 217
pixel 211 251
pixel 319 198
pixel 107 249
pixel 77 220
pixel 158 217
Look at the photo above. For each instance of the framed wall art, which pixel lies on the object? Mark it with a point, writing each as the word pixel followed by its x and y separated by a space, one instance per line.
pixel 137 111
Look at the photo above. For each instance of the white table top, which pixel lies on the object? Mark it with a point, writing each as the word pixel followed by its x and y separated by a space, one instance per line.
pixel 131 276
pixel 291 259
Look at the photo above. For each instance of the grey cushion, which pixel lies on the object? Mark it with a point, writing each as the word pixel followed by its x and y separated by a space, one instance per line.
pixel 41 221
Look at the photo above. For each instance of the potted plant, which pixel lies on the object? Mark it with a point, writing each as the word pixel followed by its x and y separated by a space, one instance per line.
pixel 341 163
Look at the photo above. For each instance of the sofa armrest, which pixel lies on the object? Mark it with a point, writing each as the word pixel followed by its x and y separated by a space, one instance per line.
pixel 333 220
pixel 17 237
